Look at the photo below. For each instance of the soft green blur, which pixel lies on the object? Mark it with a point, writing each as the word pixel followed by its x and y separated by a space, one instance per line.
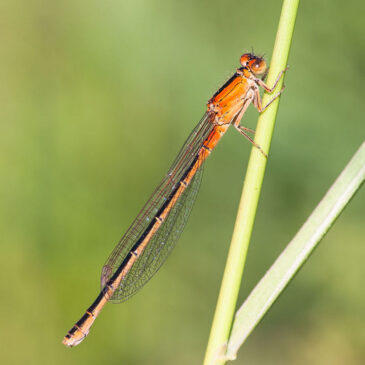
pixel 96 99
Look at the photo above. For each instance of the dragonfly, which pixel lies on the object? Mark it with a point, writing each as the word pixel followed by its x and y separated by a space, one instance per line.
pixel 156 229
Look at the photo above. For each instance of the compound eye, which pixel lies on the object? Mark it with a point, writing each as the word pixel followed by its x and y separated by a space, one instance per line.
pixel 245 58
pixel 258 66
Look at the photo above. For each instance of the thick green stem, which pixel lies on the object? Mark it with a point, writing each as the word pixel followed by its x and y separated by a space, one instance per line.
pixel 232 276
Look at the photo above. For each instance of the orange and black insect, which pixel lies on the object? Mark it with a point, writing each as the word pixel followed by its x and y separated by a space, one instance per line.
pixel 154 232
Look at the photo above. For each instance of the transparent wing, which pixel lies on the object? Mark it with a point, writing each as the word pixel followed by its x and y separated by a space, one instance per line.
pixel 165 238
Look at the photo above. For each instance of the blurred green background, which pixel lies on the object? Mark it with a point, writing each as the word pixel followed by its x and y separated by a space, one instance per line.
pixel 96 99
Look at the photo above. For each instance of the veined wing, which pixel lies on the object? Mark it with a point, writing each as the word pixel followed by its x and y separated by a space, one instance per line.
pixel 165 238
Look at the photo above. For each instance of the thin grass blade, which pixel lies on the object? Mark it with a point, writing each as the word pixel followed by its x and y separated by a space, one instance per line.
pixel 297 252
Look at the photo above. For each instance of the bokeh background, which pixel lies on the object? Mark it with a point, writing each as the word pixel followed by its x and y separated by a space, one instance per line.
pixel 96 99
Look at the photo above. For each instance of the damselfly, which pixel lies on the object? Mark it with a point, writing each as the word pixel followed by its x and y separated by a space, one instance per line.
pixel 152 235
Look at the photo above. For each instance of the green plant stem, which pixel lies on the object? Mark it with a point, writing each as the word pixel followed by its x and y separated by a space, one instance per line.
pixel 250 195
